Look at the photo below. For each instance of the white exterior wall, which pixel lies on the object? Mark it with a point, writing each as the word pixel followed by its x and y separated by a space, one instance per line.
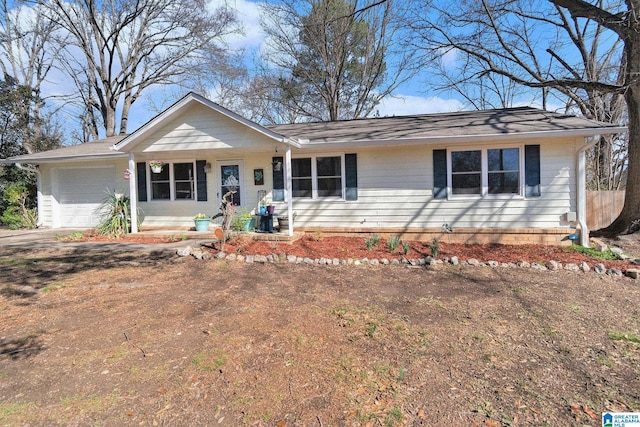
pixel 395 191
pixel 180 213
pixel 200 128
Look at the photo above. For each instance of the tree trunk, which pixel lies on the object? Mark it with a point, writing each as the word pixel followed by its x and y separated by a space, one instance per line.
pixel 624 224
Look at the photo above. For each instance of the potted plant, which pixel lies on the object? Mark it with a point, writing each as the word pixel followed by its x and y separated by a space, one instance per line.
pixel 156 166
pixel 202 222
pixel 242 220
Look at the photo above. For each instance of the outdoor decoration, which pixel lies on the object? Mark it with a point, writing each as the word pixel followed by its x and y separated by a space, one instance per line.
pixel 202 222
pixel 258 176
pixel 156 166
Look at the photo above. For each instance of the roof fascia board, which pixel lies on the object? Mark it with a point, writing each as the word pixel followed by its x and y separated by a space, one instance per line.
pixel 10 160
pixel 466 139
pixel 175 109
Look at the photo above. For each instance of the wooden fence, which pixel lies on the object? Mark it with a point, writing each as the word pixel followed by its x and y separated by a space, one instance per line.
pixel 603 207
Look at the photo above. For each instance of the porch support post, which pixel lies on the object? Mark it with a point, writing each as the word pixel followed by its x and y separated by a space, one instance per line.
pixel 581 190
pixel 289 191
pixel 133 193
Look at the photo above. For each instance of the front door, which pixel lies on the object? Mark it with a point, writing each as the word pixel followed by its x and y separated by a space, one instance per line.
pixel 231 178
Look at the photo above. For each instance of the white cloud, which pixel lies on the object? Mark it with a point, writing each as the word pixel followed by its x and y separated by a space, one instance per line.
pixel 248 14
pixel 403 105
pixel 449 58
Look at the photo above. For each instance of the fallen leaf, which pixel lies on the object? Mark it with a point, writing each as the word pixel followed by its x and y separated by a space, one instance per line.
pixel 590 412
pixel 575 408
pixel 491 423
pixel 281 424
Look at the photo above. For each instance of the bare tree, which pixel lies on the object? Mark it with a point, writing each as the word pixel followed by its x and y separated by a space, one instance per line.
pixel 120 48
pixel 330 59
pixel 29 51
pixel 534 43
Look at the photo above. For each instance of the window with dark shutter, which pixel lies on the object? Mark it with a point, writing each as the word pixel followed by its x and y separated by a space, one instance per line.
pixel 532 171
pixel 141 176
pixel 439 174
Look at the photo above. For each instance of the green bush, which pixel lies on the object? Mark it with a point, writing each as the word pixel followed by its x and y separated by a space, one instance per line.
pixel 392 243
pixel 18 214
pixel 115 215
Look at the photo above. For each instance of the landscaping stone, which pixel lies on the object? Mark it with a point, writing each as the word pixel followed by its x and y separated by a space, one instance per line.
pixel 584 267
pixel 614 272
pixel 632 272
pixel 308 261
pixel 600 247
pixel 299 260
pixel 538 266
pixel 493 264
pixel 395 261
pixel 374 262
pixel 384 261
pixel 357 262
pixel 291 259
pixel 553 265
pixel 186 251
pixel 221 255
pixel 636 261
pixel 249 259
pixel 240 258
pixel 600 268
pixel 473 262
pixel 260 259
pixel 231 257
pixel 571 267
pixel 335 261
pixel 523 264
pixel 454 260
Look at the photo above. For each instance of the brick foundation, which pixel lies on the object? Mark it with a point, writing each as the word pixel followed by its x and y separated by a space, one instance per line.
pixel 520 236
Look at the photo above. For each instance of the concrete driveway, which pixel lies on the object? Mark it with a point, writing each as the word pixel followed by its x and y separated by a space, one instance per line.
pixel 48 238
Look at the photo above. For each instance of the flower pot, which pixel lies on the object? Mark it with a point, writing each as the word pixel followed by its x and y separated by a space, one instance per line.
pixel 156 168
pixel 202 224
pixel 271 209
pixel 263 210
pixel 250 225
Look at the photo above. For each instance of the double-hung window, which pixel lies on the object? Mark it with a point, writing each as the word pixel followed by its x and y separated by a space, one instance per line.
pixel 175 182
pixel 493 171
pixel 317 177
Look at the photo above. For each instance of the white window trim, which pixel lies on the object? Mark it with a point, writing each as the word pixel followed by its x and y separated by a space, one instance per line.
pixel 484 180
pixel 314 177
pixel 172 182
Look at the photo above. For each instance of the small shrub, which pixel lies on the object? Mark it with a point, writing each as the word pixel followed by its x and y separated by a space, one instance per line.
pixel 240 219
pixel 372 241
pixel 406 247
pixel 393 243
pixel 115 215
pixel 434 247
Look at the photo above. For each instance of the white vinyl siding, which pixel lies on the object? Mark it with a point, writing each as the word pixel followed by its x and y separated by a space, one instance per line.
pixel 200 128
pixel 395 191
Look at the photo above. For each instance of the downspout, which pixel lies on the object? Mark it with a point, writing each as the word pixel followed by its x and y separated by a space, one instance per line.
pixel 581 177
pixel 133 193
pixel 38 189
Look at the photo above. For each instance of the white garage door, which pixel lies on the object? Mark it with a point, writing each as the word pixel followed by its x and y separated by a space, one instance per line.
pixel 80 192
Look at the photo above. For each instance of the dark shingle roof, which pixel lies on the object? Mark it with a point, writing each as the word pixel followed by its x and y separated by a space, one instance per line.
pixel 509 121
pixel 90 150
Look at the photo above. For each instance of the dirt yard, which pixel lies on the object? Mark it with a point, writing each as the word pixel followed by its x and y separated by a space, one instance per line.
pixel 89 337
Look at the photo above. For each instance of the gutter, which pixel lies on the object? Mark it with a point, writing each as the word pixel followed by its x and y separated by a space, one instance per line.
pixel 35 170
pixel 458 139
pixel 582 190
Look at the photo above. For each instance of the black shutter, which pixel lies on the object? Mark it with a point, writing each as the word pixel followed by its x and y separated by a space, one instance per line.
pixel 532 170
pixel 278 179
pixel 440 174
pixel 141 177
pixel 201 180
pixel 351 178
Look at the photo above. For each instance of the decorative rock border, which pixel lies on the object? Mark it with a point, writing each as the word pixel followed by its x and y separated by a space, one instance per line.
pixel 427 261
